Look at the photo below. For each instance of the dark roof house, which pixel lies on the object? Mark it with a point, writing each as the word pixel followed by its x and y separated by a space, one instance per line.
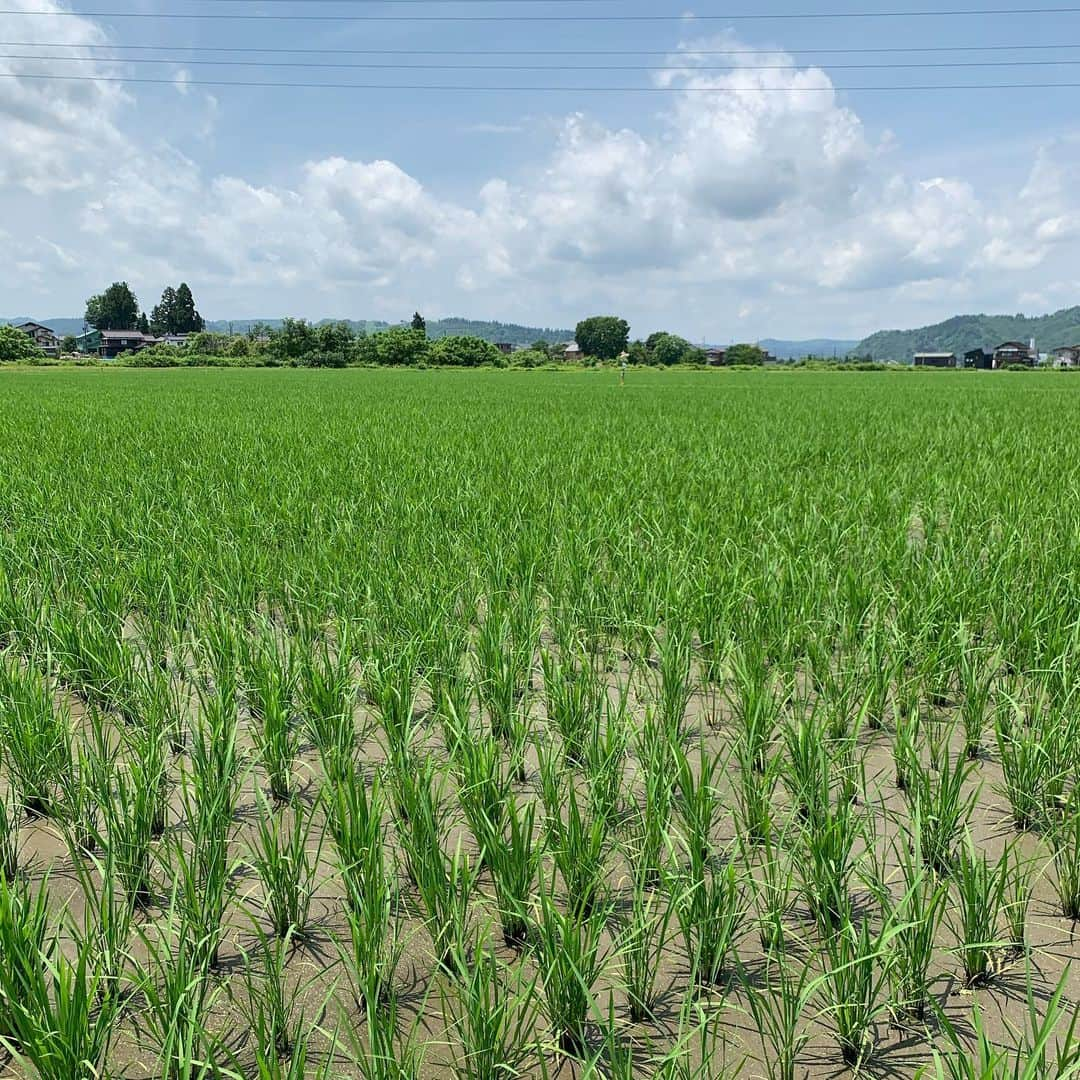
pixel 935 359
pixel 1015 352
pixel 43 337
pixel 111 343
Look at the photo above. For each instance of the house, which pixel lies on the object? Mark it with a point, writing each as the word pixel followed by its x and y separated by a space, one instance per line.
pixel 1067 356
pixel 173 339
pixel 716 356
pixel 979 359
pixel 1015 352
pixel 44 338
pixel 935 359
pixel 505 347
pixel 109 344
pixel 572 351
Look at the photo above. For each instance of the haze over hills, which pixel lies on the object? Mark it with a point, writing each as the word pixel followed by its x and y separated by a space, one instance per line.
pixel 964 332
pixel 796 350
pixel 436 328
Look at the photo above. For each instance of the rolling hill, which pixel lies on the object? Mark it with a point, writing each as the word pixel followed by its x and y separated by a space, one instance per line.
pixel 964 332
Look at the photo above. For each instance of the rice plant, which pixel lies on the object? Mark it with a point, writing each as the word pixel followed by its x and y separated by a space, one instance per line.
pixel 270 691
pixel 274 1008
pixel 567 946
pixel 179 997
pixel 641 938
pixel 513 858
pixel 282 857
pixel 578 839
pixel 575 699
pixel 675 682
pixel 711 906
pixel 326 692
pixel 980 893
pixel 856 974
pixel 779 1011
pixel 1064 838
pixel 355 820
pixel 652 820
pixel 915 919
pixel 36 736
pixel 201 865
pixel 25 948
pixel 941 802
pixel 129 808
pixel 824 855
pixel 60 1022
pixel 491 1009
pixel 10 820
pixel 1019 880
pixel 976 685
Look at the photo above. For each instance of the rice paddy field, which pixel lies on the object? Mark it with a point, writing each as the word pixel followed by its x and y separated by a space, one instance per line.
pixel 396 724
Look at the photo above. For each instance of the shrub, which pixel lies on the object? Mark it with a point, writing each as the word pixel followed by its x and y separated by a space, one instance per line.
pixel 464 351
pixel 16 346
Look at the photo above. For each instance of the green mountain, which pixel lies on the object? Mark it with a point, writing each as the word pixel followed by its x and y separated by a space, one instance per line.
pixel 964 332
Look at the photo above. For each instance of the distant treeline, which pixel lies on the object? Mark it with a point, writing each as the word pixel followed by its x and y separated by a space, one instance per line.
pixel 492 331
pixel 298 343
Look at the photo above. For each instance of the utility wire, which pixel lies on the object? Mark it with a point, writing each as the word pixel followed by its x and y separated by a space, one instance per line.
pixel 530 52
pixel 733 17
pixel 535 67
pixel 552 89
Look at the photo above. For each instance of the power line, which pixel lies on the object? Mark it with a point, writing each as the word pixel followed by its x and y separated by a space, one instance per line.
pixel 530 52
pixel 397 66
pixel 733 17
pixel 551 89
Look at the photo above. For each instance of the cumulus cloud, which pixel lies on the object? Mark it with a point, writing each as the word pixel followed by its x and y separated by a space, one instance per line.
pixel 42 121
pixel 758 193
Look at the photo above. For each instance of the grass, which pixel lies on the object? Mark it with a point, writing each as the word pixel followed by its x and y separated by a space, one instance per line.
pixel 409 723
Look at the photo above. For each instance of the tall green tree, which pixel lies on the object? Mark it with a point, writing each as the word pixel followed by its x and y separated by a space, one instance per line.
pixel 602 336
pixel 175 313
pixel 163 316
pixel 115 309
pixel 143 324
pixel 187 319
pixel 419 322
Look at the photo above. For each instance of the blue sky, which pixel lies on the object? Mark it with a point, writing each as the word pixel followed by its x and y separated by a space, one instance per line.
pixel 734 204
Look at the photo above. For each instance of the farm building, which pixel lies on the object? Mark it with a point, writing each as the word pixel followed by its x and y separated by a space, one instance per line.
pixel 572 351
pixel 505 347
pixel 716 356
pixel 1067 356
pixel 935 359
pixel 979 359
pixel 111 343
pixel 44 338
pixel 1015 352
pixel 172 339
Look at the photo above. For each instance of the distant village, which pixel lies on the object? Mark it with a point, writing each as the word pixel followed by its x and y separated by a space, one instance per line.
pixel 1009 354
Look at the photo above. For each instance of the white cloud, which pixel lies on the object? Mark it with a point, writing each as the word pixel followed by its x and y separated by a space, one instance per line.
pixel 761 194
pixel 54 132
